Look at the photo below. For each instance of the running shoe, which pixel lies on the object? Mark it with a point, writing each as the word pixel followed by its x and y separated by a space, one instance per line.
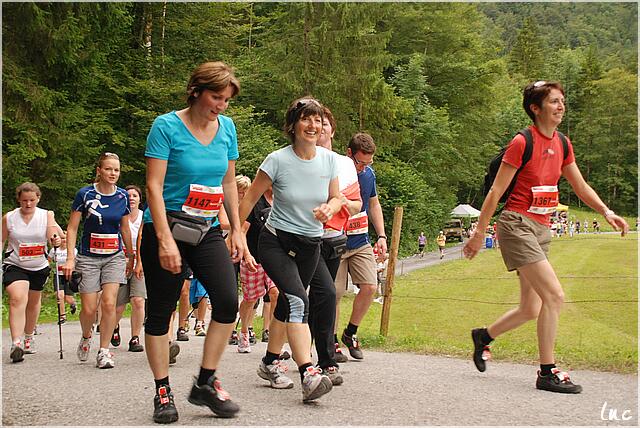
pixel 74 308
pixel 284 356
pixel 29 345
pixel 252 336
pixel 83 349
pixel 214 397
pixel 481 352
pixel 265 335
pixel 135 345
pixel 557 381
pixel 164 409
pixel 17 353
pixel 199 330
pixel 115 338
pixel 62 319
pixel 275 373
pixel 333 373
pixel 181 335
pixel 233 340
pixel 244 344
pixel 174 350
pixel 353 345
pixel 104 359
pixel 314 384
pixel 340 357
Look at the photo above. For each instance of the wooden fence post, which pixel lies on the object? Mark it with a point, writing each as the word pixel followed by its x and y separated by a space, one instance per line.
pixel 391 270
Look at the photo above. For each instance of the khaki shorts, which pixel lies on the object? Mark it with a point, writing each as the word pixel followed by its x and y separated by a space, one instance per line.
pixel 522 240
pixel 360 263
pixel 97 271
pixel 133 288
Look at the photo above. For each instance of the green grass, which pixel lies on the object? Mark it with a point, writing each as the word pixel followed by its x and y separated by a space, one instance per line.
pixel 434 309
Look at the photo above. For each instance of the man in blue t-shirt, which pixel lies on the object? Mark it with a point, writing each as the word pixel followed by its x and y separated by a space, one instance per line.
pixel 359 260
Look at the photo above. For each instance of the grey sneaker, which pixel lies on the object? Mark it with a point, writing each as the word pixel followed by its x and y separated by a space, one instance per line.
pixel 83 349
pixel 244 344
pixel 333 373
pixel 29 345
pixel 340 357
pixel 275 373
pixel 104 360
pixel 314 384
pixel 174 350
pixel 17 353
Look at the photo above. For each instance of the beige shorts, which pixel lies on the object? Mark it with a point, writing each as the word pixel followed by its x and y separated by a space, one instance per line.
pixel 360 263
pixel 522 240
pixel 133 288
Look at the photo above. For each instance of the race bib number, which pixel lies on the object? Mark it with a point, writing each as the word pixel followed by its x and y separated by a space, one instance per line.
pixel 203 201
pixel 104 243
pixel 30 251
pixel 545 199
pixel 358 224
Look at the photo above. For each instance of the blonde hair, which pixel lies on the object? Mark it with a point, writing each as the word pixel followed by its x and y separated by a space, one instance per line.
pixel 243 182
pixel 27 187
pixel 103 157
pixel 215 76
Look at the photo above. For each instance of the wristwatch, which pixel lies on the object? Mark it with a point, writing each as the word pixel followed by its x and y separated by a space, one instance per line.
pixel 385 238
pixel 607 213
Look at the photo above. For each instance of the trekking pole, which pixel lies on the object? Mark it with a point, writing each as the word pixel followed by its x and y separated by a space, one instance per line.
pixel 56 288
pixel 194 308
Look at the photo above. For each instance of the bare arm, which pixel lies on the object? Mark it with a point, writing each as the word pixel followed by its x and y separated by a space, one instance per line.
pixel 5 232
pixel 72 234
pixel 260 185
pixel 377 219
pixel 125 231
pixel 168 252
pixel 138 272
pixel 503 178
pixel 589 196
pixel 236 238
pixel 335 202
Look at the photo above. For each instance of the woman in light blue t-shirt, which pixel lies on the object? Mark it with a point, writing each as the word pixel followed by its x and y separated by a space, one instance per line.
pixel 305 195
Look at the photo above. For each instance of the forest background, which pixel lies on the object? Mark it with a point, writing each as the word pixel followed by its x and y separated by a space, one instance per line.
pixel 438 86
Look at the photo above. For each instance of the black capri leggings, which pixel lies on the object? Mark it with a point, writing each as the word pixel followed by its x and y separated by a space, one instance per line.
pixel 290 261
pixel 210 263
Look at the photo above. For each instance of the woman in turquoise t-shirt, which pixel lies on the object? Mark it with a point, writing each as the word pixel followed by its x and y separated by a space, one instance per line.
pixel 191 157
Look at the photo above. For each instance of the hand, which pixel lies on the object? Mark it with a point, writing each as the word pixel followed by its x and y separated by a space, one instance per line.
pixel 381 248
pixel 323 213
pixel 55 241
pixel 137 271
pixel 473 245
pixel 237 244
pixel 618 223
pixel 68 268
pixel 169 255
pixel 129 267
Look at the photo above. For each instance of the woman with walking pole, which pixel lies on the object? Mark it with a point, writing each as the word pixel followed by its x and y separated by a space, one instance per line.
pixel 524 231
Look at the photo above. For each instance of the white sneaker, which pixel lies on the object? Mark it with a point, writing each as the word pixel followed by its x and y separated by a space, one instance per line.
pixel 83 349
pixel 104 360
pixel 244 345
pixel 315 384
pixel 275 373
pixel 29 345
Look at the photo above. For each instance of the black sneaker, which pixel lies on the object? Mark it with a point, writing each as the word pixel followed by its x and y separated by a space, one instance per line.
pixel 481 352
pixel 557 381
pixel 233 340
pixel 164 410
pixel 340 357
pixel 174 350
pixel 333 373
pixel 214 397
pixel 252 336
pixel 134 345
pixel 284 356
pixel 74 308
pixel 115 338
pixel 181 335
pixel 265 335
pixel 353 345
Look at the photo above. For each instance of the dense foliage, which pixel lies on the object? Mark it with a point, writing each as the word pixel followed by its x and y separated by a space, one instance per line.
pixel 438 85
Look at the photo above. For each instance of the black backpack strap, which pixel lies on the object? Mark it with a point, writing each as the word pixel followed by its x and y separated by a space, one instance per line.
pixel 528 147
pixel 565 144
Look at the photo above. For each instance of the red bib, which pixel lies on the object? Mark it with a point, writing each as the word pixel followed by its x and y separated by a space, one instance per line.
pixel 545 199
pixel 104 243
pixel 203 201
pixel 358 224
pixel 31 251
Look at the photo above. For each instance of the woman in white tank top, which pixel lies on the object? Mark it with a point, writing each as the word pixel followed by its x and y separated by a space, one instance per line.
pixel 25 267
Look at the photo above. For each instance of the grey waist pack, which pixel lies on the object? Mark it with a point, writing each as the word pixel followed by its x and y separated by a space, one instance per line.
pixel 187 228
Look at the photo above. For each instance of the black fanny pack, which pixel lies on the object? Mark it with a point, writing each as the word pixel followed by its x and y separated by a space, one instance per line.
pixel 187 228
pixel 298 246
pixel 338 245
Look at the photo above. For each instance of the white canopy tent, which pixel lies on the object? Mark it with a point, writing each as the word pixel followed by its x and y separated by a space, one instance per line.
pixel 465 210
